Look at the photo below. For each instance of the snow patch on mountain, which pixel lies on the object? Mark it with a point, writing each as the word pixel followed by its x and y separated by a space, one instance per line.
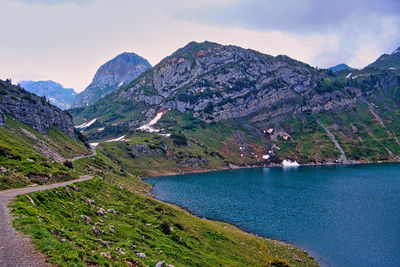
pixel 85 125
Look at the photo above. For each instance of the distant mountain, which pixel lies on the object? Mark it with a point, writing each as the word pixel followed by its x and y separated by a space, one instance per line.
pixel 388 62
pixel 55 93
pixel 340 67
pixel 115 73
pixel 32 110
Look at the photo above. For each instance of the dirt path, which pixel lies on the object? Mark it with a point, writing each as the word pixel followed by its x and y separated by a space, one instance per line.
pixel 92 149
pixel 17 250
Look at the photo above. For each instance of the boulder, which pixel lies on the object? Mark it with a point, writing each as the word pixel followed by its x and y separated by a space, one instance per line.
pixel 101 211
pixel 97 231
pixel 141 255
pixel 105 254
pixel 121 251
pixel 87 219
pixel 104 243
pixel 111 211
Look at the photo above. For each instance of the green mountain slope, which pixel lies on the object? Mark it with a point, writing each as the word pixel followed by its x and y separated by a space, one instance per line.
pixel 28 157
pixel 36 139
pixel 388 62
pixel 255 109
pixel 133 229
pixel 112 220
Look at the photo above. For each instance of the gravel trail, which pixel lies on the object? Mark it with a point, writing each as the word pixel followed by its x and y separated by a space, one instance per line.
pixel 16 250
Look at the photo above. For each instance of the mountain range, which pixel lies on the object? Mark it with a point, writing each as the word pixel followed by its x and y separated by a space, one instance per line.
pixel 54 92
pixel 113 74
pixel 33 110
pixel 100 211
pixel 269 108
pixel 205 107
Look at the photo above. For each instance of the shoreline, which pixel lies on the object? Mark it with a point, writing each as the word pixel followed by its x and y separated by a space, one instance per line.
pixel 313 255
pixel 172 173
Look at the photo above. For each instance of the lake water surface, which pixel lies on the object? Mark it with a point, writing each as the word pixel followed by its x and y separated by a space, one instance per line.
pixel 342 215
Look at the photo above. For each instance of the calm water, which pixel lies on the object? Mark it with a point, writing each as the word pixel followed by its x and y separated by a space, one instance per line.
pixel 343 216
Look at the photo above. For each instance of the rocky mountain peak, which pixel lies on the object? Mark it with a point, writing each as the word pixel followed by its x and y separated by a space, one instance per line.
pixel 122 69
pixel 193 47
pixel 115 73
pixel 217 82
pixel 212 83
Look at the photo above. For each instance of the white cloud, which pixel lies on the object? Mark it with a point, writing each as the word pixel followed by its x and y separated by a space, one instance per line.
pixel 68 42
pixel 56 2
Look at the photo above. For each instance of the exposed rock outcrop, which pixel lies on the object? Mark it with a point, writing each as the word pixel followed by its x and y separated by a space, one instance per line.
pixel 2 119
pixel 32 110
pixel 213 82
pixel 115 73
pixel 219 82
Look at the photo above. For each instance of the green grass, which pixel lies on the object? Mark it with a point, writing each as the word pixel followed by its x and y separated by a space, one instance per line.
pixel 23 164
pixel 141 224
pixel 148 154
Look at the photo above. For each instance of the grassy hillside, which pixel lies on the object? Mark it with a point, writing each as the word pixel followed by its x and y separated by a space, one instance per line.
pixel 28 157
pixel 366 134
pixel 367 130
pixel 66 225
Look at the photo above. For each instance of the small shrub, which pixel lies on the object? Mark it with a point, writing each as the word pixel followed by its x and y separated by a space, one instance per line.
pixel 179 139
pixel 278 262
pixel 68 164
pixel 166 227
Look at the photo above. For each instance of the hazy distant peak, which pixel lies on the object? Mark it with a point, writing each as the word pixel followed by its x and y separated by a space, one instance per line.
pixel 340 67
pixel 54 92
pixel 119 71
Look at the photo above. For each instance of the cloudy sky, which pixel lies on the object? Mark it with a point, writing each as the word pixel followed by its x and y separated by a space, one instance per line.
pixel 67 40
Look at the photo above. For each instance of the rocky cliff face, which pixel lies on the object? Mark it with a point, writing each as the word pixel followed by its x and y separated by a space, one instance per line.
pixel 257 107
pixel 115 73
pixel 55 93
pixel 32 110
pixel 217 82
pixel 2 119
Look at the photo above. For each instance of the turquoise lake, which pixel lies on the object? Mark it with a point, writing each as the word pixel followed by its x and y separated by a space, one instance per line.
pixel 341 215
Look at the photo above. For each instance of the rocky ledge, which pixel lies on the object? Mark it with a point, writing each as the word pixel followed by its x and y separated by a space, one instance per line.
pixel 32 110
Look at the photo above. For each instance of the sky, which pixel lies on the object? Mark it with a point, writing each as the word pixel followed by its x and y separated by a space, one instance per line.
pixel 68 40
